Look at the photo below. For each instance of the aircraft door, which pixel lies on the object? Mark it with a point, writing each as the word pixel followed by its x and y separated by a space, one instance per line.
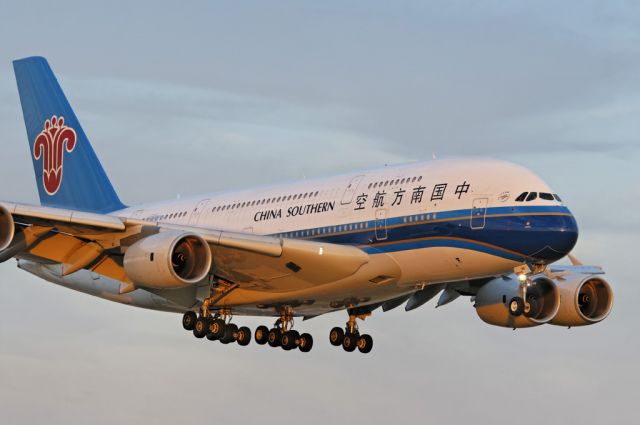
pixel 381 225
pixel 197 211
pixel 478 213
pixel 351 189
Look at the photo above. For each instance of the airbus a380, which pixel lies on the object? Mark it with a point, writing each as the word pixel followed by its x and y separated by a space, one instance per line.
pixel 356 242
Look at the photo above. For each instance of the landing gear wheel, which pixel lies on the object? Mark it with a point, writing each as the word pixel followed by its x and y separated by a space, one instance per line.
pixel 336 336
pixel 288 340
pixel 230 333
pixel 262 335
pixel 305 343
pixel 189 320
pixel 200 327
pixel 516 306
pixel 365 343
pixel 244 336
pixel 216 329
pixel 531 307
pixel 350 342
pixel 274 337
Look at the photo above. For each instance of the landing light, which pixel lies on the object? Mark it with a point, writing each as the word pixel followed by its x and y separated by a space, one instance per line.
pixel 522 277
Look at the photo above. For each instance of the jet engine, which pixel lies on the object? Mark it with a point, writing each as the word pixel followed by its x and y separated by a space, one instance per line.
pixel 584 300
pixel 493 297
pixel 7 228
pixel 168 260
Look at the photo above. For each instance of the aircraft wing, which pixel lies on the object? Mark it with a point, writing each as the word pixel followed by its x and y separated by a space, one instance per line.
pixel 98 242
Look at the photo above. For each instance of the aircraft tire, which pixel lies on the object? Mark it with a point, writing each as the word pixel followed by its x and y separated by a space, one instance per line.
pixel 274 337
pixel 244 336
pixel 516 306
pixel 262 335
pixel 217 328
pixel 189 320
pixel 350 342
pixel 201 327
pixel 336 336
pixel 365 343
pixel 288 340
pixel 305 343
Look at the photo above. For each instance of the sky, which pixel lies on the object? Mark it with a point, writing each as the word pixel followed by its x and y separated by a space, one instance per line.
pixel 184 98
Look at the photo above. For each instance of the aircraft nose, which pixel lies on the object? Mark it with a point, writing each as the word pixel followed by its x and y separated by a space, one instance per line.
pixel 561 236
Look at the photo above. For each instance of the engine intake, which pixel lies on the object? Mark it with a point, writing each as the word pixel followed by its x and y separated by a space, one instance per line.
pixel 168 260
pixel 585 300
pixel 7 228
pixel 493 297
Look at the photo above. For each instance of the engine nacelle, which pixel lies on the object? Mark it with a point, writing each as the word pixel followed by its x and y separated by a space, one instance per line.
pixel 584 300
pixel 7 228
pixel 492 301
pixel 168 260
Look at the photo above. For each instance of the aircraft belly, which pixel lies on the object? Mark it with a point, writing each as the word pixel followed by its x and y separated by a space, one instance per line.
pixel 447 264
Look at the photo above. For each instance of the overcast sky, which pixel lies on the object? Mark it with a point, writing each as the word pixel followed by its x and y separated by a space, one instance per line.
pixel 189 97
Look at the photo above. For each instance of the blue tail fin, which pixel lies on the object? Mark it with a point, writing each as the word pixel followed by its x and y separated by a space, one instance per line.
pixel 67 170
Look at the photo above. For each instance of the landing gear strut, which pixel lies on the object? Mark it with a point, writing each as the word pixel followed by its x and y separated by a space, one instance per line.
pixel 350 338
pixel 282 335
pixel 522 304
pixel 218 326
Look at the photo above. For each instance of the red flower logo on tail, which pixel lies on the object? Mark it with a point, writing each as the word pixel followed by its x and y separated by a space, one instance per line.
pixel 50 146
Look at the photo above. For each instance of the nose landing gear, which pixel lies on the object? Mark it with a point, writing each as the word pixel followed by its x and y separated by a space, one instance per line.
pixel 522 304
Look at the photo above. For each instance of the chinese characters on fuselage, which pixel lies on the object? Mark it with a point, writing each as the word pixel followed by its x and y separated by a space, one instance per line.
pixel 417 193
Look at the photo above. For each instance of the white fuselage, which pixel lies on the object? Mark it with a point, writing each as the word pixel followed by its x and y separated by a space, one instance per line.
pixel 440 221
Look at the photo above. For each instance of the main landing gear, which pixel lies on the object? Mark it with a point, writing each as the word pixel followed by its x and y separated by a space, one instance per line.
pixel 216 328
pixel 282 335
pixel 350 338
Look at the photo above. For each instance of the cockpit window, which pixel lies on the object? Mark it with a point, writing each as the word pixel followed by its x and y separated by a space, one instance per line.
pixel 557 197
pixel 546 196
pixel 522 197
pixel 532 196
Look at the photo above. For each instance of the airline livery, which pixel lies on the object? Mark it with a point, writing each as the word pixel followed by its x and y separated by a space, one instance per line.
pixel 357 242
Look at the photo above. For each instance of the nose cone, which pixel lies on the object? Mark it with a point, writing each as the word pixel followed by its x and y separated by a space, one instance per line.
pixel 558 238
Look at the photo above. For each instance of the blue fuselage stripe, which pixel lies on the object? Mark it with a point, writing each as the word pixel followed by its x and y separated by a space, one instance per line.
pixel 516 233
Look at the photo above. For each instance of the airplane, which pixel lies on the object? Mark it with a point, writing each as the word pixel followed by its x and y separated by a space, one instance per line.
pixel 481 228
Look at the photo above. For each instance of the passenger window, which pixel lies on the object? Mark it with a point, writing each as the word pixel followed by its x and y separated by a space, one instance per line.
pixel 420 178
pixel 413 180
pixel 546 196
pixel 532 196
pixel 557 197
pixel 522 197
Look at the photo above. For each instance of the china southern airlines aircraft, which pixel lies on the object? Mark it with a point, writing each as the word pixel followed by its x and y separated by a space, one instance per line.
pixel 356 242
